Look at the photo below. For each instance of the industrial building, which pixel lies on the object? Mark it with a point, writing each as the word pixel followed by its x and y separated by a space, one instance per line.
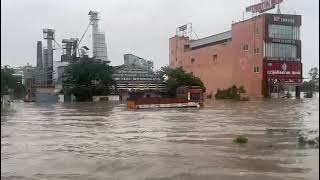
pixel 99 46
pixel 46 79
pixel 262 53
pixel 136 78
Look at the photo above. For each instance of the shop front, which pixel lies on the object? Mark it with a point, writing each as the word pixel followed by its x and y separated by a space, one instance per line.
pixel 281 77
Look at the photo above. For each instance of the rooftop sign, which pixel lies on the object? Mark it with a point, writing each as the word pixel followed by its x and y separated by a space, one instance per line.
pixel 263 6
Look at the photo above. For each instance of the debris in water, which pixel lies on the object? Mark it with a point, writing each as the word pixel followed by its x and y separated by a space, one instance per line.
pixel 304 140
pixel 241 140
pixel 312 142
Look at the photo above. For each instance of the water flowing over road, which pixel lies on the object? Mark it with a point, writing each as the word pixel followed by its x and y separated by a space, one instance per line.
pixel 90 141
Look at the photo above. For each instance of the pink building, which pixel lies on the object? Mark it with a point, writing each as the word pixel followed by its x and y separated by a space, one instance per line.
pixel 262 54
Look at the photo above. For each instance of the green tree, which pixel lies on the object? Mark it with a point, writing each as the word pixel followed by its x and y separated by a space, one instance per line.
pixel 175 78
pixel 314 74
pixel 10 81
pixel 87 78
pixel 308 86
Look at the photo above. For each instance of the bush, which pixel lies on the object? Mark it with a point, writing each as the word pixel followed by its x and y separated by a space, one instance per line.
pixel 312 142
pixel 82 93
pixel 241 140
pixel 231 93
pixel 177 78
pixel 304 140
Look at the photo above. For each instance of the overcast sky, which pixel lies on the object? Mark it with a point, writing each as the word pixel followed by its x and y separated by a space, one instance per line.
pixel 140 27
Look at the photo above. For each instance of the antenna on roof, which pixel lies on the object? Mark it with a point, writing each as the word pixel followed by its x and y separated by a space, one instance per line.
pixel 278 9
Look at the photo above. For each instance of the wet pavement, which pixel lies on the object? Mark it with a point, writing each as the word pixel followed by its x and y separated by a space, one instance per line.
pixel 90 141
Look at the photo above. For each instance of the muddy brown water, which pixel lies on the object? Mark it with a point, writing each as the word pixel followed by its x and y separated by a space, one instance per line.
pixel 90 141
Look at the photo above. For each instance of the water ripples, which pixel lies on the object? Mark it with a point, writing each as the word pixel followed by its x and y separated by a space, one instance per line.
pixel 108 141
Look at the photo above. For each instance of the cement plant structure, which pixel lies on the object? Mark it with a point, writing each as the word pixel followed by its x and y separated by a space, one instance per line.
pixel 99 47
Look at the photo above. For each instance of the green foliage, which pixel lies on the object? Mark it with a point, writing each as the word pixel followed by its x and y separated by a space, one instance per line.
pixel 241 140
pixel 175 78
pixel 314 73
pixel 19 91
pixel 304 140
pixel 88 78
pixel 10 81
pixel 309 86
pixel 82 93
pixel 311 142
pixel 231 93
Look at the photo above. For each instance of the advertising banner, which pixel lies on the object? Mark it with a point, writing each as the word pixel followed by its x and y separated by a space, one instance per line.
pixel 265 5
pixel 286 72
pixel 289 69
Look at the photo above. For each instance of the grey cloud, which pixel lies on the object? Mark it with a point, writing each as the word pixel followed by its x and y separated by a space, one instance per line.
pixel 142 27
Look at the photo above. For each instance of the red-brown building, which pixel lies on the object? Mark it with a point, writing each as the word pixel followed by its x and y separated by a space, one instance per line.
pixel 261 54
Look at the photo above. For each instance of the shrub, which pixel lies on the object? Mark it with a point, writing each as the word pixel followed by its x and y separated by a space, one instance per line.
pixel 241 140
pixel 302 140
pixel 312 142
pixel 233 92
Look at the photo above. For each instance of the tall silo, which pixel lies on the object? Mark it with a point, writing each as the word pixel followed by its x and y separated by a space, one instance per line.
pixel 99 47
pixel 48 54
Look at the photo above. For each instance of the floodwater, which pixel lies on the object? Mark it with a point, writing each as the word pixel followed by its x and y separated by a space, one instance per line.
pixel 89 141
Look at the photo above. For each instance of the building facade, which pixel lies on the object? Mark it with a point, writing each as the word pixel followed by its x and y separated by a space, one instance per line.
pixel 261 54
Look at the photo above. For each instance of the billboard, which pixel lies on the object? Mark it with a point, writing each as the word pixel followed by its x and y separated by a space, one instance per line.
pixel 284 71
pixel 263 6
pixel 284 68
pixel 182 28
pixel 283 19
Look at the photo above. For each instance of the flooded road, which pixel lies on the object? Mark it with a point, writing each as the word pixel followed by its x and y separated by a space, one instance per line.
pixel 90 141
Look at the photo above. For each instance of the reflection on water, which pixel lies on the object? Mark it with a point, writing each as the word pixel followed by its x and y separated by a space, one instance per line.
pixel 108 141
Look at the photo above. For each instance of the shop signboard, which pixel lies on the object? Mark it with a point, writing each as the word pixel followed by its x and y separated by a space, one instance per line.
pixel 285 72
pixel 263 6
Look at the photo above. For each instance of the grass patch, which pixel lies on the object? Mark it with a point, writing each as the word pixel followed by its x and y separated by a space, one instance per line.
pixel 241 140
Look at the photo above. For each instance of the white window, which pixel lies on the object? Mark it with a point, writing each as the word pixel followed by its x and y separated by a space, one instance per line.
pixel 284 32
pixel 281 50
